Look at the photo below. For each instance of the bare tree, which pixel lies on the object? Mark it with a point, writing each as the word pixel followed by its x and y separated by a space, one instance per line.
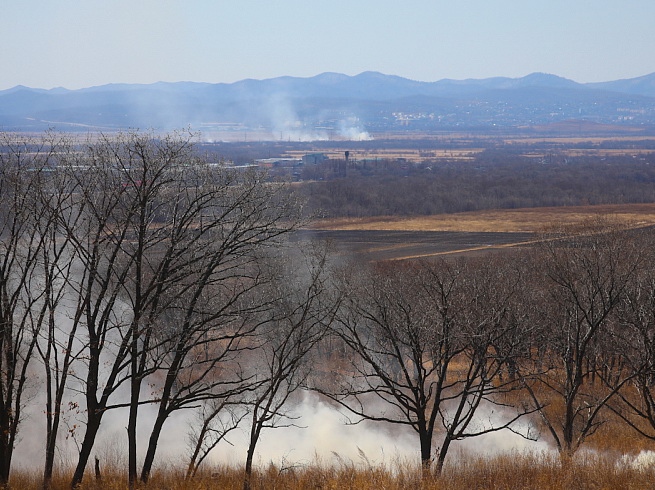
pixel 633 344
pixel 238 216
pixel 57 200
pixel 99 332
pixel 168 247
pixel 299 318
pixel 218 417
pixel 24 168
pixel 497 331
pixel 581 275
pixel 421 337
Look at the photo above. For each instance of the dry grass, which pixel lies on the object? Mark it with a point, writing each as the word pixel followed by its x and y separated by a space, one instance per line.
pixel 509 471
pixel 423 155
pixel 531 471
pixel 606 461
pixel 510 220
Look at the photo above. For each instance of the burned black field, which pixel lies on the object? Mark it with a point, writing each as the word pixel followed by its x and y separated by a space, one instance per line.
pixel 375 245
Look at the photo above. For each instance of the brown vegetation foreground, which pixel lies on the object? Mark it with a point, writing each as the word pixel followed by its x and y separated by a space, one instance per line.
pixel 498 220
pixel 512 470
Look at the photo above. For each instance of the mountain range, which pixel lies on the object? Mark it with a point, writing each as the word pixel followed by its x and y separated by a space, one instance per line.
pixel 333 103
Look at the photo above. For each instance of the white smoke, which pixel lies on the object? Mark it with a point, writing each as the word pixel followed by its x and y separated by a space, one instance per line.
pixel 644 461
pixel 522 437
pixel 352 129
pixel 286 124
pixel 322 433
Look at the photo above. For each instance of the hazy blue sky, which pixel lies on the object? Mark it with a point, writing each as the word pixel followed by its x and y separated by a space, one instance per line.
pixel 75 43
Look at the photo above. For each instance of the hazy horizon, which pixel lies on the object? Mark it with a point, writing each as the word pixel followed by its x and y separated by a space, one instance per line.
pixel 118 82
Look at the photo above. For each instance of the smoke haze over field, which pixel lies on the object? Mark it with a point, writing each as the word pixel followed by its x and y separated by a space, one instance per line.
pixel 333 106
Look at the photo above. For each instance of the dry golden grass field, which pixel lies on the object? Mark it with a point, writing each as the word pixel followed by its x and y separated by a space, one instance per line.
pixel 606 141
pixel 509 471
pixel 502 220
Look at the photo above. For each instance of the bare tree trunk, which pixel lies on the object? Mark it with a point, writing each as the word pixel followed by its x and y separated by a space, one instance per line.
pixel 54 403
pixel 426 453
pixel 255 432
pixel 441 458
pixel 50 445
pixel 5 449
pixel 135 387
pixel 52 418
pixel 152 446
pixel 85 449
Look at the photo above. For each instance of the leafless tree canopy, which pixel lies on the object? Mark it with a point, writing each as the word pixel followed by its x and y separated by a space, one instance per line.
pixel 428 342
pixel 133 273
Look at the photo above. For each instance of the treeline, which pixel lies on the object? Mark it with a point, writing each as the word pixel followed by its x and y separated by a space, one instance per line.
pixel 561 334
pixel 131 273
pixel 134 274
pixel 493 180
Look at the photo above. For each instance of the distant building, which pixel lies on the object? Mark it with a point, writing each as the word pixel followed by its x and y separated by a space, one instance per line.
pixel 313 158
pixel 279 162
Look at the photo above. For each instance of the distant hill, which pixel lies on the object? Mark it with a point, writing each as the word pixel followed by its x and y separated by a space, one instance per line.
pixel 333 103
pixel 640 86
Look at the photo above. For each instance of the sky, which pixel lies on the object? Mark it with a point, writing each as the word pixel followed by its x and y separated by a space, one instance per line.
pixel 75 44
